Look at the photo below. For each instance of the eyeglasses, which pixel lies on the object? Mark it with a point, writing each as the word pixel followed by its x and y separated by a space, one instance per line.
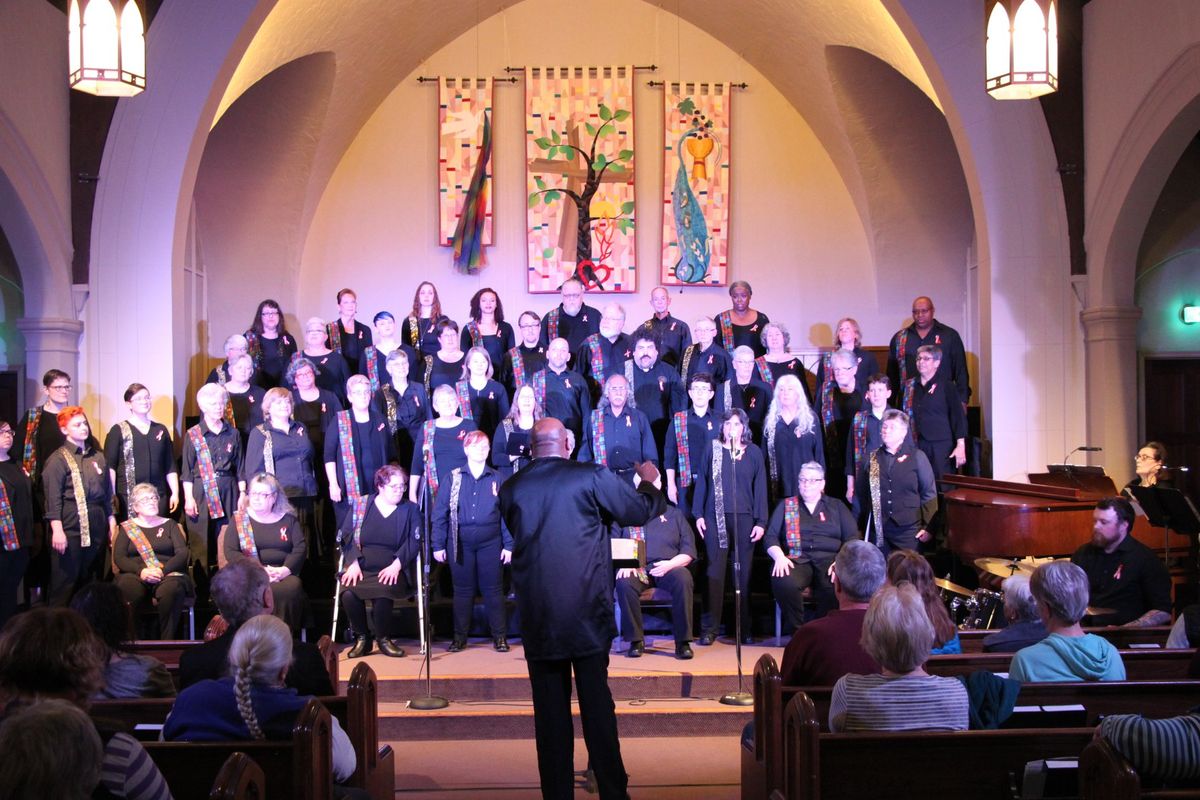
pixel 529 325
pixel 6 432
pixel 812 480
pixel 60 387
pixel 1138 457
pixel 924 358
pixel 267 493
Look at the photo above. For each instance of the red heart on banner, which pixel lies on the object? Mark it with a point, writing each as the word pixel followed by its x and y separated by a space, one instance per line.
pixel 592 275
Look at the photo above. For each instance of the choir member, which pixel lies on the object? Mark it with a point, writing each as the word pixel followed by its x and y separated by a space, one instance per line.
pixel 866 433
pixel 779 360
pixel 348 336
pixel 689 434
pixel 706 355
pixel 899 487
pixel 357 443
pixel 741 324
pixel 654 386
pixel 670 549
pixel 78 506
pixel 487 327
pixel 404 404
pixel 267 532
pixel 604 353
pixel 480 398
pixel 744 389
pixel 617 435
pixel 313 407
pixel 16 523
pixel 439 448
pixel 902 352
pixel 379 539
pixel 245 399
pixel 791 437
pixel 673 334
pixel 236 345
pixel 330 368
pixel 848 336
pixel 469 533
pixel 281 447
pixel 419 330
pixel 212 459
pixel 571 319
pixel 840 401
pixel 522 362
pixel 562 392
pixel 269 344
pixel 373 362
pixel 937 419
pixel 444 367
pixel 151 558
pixel 730 506
pixel 139 450
pixel 511 446
pixel 39 436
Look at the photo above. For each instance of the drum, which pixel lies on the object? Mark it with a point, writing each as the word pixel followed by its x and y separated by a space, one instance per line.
pixel 982 610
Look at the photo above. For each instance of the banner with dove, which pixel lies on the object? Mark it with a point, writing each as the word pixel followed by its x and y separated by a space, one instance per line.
pixel 696 185
pixel 464 169
pixel 579 168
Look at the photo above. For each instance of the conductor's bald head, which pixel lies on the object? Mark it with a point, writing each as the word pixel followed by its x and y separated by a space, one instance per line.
pixel 549 439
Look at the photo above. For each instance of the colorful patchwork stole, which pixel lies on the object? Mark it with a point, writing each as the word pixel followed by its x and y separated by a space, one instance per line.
pixel 358 513
pixel 254 348
pixel 908 404
pixel 245 534
pixel 687 360
pixel 725 323
pixel 85 524
pixel 474 333
pixel 682 449
pixel 462 389
pixel 876 500
pixel 127 456
pixel 902 354
pixel 208 474
pixel 269 449
pixel 428 428
pixel 599 446
pixel 791 526
pixel 455 491
pixel 138 537
pixel 389 403
pixel 595 357
pixel 638 534
pixel 539 387
pixel 518 366
pixel 827 412
pixel 29 457
pixel 859 427
pixel 552 325
pixel 8 526
pixel 414 331
pixel 718 462
pixel 334 330
pixel 370 352
pixel 346 448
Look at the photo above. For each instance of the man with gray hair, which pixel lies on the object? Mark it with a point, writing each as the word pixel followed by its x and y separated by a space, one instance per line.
pixel 823 651
pixel 1025 626
pixel 604 353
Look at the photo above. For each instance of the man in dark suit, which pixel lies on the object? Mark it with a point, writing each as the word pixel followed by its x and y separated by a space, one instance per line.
pixel 241 591
pixel 559 513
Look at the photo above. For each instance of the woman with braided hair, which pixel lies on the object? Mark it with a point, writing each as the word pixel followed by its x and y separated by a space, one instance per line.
pixel 252 702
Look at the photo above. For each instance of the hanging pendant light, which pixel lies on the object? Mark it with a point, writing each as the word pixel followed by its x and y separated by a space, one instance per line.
pixel 1022 48
pixel 107 47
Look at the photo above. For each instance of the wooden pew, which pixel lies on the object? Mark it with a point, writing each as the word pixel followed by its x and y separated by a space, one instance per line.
pixel 1140 665
pixel 239 779
pixel 1105 774
pixel 969 764
pixel 357 712
pixel 1121 638
pixel 300 768
pixel 169 651
pixel 762 763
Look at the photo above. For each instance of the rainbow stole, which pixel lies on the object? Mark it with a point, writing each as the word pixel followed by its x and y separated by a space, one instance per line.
pixel 208 474
pixel 8 526
pixel 334 330
pixel 85 522
pixel 346 448
pixel 638 534
pixel 473 332
pixel 245 534
pixel 827 412
pixel 908 404
pixel 539 387
pixel 595 357
pixel 371 353
pixel 902 354
pixel 682 448
pixel 599 446
pixel 725 323
pixel 29 457
pixel 428 429
pixel 791 525
pixel 764 370
pixel 518 366
pixel 551 325
pixel 462 389
pixel 138 537
pixel 859 427
pixel 358 513
pixel 254 348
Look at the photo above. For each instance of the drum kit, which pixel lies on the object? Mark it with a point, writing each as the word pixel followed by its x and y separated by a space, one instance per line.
pixel 982 609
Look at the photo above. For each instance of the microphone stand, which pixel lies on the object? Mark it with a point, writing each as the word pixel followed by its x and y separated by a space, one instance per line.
pixel 741 697
pixel 430 701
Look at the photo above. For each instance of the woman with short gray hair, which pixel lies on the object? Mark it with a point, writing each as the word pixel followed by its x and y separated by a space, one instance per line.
pixel 1025 626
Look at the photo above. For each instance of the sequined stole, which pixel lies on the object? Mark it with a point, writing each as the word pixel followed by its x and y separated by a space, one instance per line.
pixel 455 491
pixel 908 404
pixel 268 449
pixel 876 499
pixel 390 397
pixel 860 438
pixel 685 364
pixel 127 456
pixel 718 463
pixel 414 332
pixel 85 524
pixel 902 354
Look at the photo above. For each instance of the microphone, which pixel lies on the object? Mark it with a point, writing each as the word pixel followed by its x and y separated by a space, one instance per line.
pixel 1083 448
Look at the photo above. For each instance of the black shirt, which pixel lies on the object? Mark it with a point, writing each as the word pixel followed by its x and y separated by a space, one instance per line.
pixel 790 452
pixel 714 360
pixel 292 453
pixel 315 415
pixel 953 366
pixel 332 374
pixel 627 439
pixel 421 334
pixel 754 398
pixel 411 409
pixel 59 488
pixel 439 372
pixel 488 406
pixel 415 364
pixel 748 335
pixel 478 509
pixel 744 485
pixel 823 531
pixel 505 445
pixel 153 457
pixel 674 336
pixel 532 359
pixel 496 344
pixel 447 450
pixel 613 354
pixel 700 431
pixel 937 414
pixel 373 448
pixel 1130 580
pixel 574 329
pixel 383 539
pixel 20 498
pixel 568 400
pixel 352 343
pixel 247 410
pixel 167 541
pixel 49 437
pixel 274 359
pixel 667 535
pixel 279 544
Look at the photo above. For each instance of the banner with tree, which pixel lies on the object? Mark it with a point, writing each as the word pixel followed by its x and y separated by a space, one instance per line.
pixel 579 150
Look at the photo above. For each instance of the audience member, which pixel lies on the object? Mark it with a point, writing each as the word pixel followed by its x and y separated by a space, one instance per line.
pixel 1025 626
pixel 126 674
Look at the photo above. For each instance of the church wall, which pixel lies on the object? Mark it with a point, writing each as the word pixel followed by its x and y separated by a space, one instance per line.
pixel 12 308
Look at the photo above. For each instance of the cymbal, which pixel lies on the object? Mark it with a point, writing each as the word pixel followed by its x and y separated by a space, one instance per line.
pixel 1004 567
pixel 942 583
pixel 1094 611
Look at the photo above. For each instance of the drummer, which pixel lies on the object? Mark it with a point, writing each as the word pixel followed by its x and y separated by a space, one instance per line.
pixel 1124 575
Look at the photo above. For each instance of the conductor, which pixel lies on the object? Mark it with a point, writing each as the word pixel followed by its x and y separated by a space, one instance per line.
pixel 560 513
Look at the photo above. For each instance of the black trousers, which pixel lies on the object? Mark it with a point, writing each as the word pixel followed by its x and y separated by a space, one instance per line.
pixel 738 529
pixel 289 601
pixel 555 735
pixel 73 567
pixel 678 583
pixel 12 570
pixel 788 590
pixel 170 593
pixel 899 537
pixel 478 569
pixel 381 614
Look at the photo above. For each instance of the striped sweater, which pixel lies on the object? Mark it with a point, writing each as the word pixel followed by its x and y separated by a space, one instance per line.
pixel 915 703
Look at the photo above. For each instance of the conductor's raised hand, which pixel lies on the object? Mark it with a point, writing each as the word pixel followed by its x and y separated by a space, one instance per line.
pixel 646 471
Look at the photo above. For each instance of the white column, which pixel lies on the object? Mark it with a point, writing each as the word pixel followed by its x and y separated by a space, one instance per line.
pixel 1110 342
pixel 50 343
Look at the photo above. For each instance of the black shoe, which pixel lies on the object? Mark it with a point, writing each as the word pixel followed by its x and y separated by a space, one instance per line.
pixel 389 648
pixel 636 649
pixel 458 645
pixel 362 646
pixel 683 651
pixel 707 639
pixel 500 644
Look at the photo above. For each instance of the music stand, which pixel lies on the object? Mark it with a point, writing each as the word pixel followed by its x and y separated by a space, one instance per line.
pixel 1168 508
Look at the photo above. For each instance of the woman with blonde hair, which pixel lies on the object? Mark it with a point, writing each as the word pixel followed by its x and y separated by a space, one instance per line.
pixel 281 446
pixel 511 448
pixel 481 399
pixel 847 337
pixel 791 438
pixel 252 702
